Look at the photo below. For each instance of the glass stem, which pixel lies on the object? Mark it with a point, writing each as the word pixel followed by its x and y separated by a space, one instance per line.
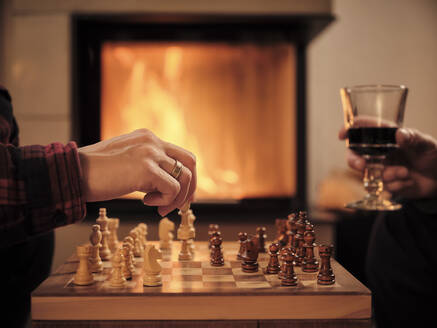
pixel 373 177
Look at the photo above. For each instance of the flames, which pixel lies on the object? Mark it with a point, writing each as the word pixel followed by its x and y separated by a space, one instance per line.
pixel 193 95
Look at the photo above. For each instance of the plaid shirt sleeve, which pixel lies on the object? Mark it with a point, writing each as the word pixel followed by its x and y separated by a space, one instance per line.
pixel 40 186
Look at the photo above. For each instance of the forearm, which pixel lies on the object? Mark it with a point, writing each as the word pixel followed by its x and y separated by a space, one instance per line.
pixel 40 189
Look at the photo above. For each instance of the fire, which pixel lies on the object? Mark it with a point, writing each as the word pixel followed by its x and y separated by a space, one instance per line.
pixel 188 94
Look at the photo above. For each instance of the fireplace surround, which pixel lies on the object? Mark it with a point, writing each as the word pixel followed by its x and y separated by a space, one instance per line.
pixel 90 33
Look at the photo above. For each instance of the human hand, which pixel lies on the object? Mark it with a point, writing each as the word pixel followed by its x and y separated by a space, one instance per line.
pixel 410 171
pixel 138 161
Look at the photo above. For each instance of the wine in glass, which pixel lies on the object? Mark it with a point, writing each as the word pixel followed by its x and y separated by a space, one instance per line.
pixel 372 114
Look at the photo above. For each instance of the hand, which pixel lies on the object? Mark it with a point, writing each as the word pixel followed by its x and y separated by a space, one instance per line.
pixel 411 171
pixel 138 161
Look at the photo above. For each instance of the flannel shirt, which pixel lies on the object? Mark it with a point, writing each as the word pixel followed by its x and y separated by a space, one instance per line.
pixel 40 186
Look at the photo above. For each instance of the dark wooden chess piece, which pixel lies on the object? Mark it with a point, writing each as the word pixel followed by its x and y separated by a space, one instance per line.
pixel 212 235
pixel 250 256
pixel 216 251
pixel 282 254
pixel 300 224
pixel 212 229
pixel 309 263
pixel 288 277
pixel 281 231
pixel 326 275
pixel 273 265
pixel 262 236
pixel 242 236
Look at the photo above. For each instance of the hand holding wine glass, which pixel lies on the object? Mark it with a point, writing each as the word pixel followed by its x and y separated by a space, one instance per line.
pixel 411 171
pixel 372 115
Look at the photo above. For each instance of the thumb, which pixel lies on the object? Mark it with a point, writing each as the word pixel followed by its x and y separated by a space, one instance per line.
pixel 414 140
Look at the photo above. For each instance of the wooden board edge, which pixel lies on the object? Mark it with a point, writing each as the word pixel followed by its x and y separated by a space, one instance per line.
pixel 202 307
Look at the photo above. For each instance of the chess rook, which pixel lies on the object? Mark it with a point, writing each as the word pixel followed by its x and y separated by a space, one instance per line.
pixel 83 274
pixel 184 234
pixel 326 275
pixel 250 255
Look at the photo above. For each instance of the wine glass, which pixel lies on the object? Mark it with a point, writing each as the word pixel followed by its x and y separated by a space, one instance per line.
pixel 372 114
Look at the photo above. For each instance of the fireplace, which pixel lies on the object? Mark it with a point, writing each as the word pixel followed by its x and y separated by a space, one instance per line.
pixel 230 88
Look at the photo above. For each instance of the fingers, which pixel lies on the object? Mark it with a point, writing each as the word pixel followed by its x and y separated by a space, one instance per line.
pixel 189 161
pixel 415 140
pixel 355 161
pixel 184 181
pixel 342 134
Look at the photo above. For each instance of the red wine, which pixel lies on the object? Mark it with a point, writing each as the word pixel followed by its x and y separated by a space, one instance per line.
pixel 372 141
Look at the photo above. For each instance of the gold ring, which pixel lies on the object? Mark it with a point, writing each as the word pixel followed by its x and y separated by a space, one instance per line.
pixel 177 169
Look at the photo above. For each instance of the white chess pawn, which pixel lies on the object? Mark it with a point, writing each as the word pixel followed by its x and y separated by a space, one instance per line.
pixel 117 278
pixel 83 274
pixel 96 264
pixel 151 267
pixel 130 241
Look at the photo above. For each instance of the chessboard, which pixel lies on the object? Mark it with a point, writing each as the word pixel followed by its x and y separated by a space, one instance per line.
pixel 195 290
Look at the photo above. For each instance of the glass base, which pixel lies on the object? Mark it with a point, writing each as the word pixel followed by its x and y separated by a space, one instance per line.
pixel 375 205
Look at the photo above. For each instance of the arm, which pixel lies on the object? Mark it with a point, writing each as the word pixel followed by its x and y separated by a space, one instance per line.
pixel 40 186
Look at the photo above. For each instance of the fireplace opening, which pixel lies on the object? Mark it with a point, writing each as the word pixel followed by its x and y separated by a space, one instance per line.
pixel 231 105
pixel 231 89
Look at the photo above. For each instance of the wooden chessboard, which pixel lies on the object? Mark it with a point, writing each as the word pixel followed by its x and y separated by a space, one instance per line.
pixel 195 290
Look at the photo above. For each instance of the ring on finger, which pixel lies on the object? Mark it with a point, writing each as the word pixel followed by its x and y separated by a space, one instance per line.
pixel 177 169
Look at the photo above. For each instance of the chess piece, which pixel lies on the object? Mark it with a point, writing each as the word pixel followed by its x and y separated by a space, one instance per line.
pixel 83 274
pixel 95 262
pixel 300 224
pixel 127 268
pixel 117 277
pixel 288 277
pixel 102 221
pixel 165 233
pixel 138 249
pixel 282 254
pixel 151 267
pixel 212 235
pixel 184 234
pixel 113 224
pixel 142 227
pixel 326 275
pixel 216 251
pixel 273 265
pixel 242 236
pixel 191 219
pixel 129 240
pixel 309 263
pixel 250 256
pixel 281 231
pixel 261 234
pixel 212 229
